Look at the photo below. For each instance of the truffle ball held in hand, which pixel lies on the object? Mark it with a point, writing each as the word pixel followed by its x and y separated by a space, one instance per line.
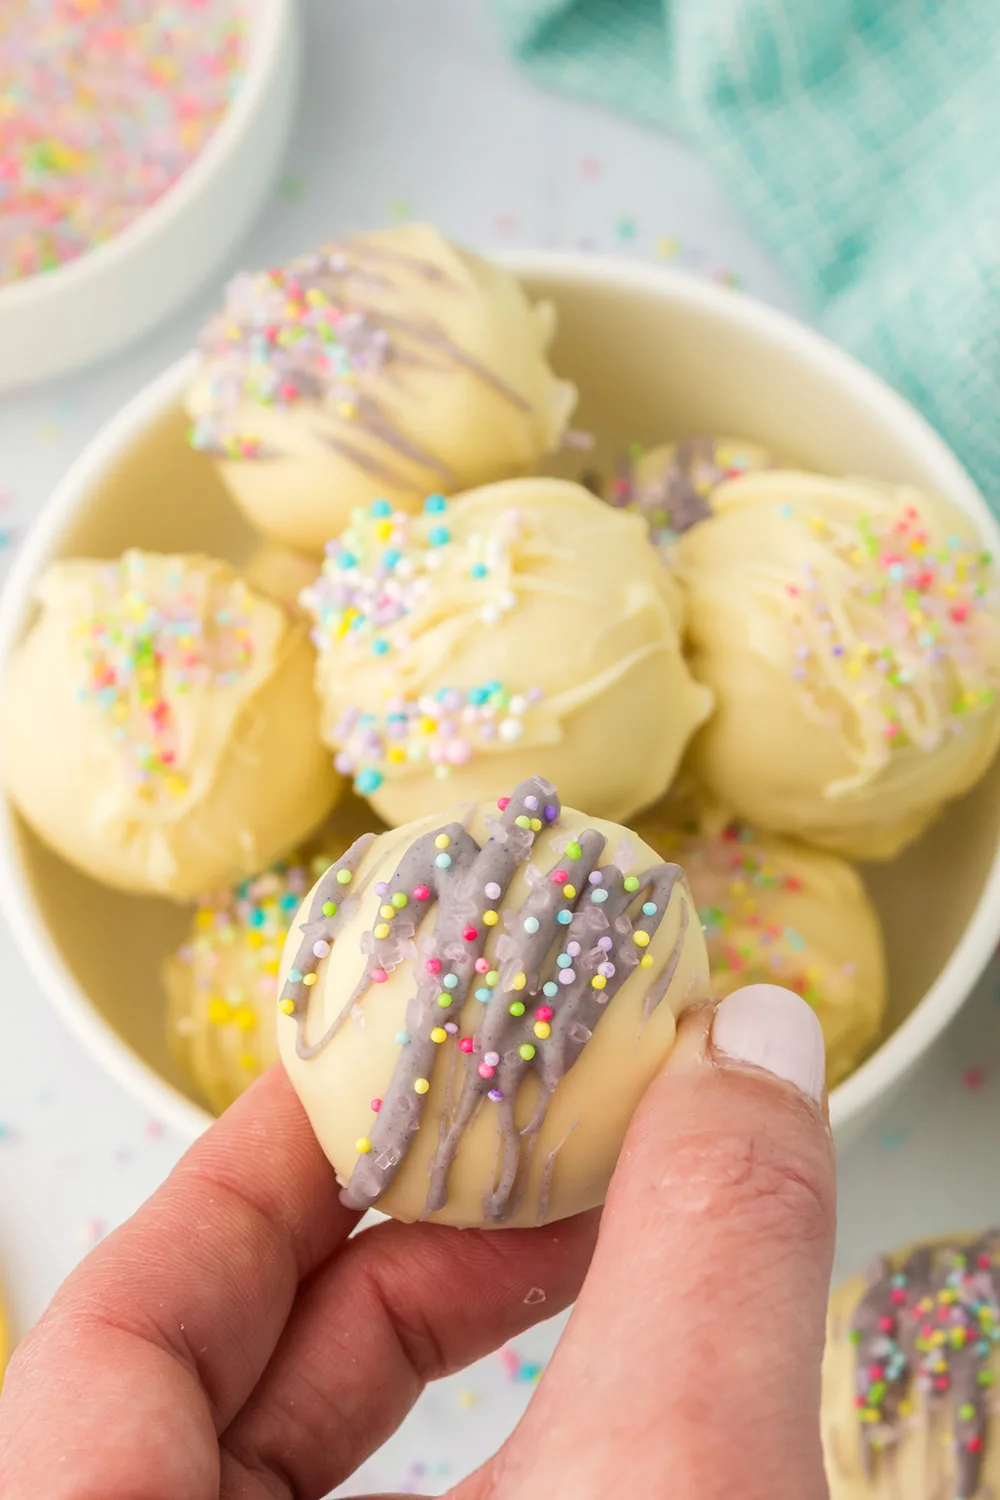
pixel 776 912
pixel 392 363
pixel 220 983
pixel 909 1377
pixel 472 1007
pixel 851 633
pixel 524 626
pixel 161 724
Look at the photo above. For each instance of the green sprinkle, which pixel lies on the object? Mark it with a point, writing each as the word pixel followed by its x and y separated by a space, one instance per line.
pixel 329 908
pixel 527 1051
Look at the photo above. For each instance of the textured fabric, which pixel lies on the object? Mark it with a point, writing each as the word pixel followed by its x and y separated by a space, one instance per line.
pixel 862 140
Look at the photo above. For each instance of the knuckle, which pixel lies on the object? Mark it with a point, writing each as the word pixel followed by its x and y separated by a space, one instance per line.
pixel 752 1183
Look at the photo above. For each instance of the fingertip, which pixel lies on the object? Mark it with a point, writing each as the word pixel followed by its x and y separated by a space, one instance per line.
pixel 767 1027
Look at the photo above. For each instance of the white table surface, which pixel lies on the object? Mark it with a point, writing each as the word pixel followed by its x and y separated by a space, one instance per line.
pixel 411 109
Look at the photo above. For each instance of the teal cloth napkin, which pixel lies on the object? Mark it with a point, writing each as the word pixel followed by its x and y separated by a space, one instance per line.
pixel 861 138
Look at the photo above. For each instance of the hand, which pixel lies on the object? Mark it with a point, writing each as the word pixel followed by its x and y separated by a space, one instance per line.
pixel 230 1340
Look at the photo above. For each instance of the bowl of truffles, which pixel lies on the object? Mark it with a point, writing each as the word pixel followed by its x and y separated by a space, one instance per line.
pixel 453 669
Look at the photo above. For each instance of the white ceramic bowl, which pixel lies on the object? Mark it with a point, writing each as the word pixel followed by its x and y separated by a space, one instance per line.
pixel 656 353
pixel 62 319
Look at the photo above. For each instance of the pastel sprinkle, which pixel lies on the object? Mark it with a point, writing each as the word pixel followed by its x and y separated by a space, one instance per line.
pixel 420 1086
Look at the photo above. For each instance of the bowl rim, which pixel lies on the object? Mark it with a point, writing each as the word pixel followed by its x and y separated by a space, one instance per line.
pixel 269 23
pixel 891 1061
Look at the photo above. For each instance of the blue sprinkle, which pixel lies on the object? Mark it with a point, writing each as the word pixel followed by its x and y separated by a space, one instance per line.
pixel 785 512
pixel 450 981
pixel 402 1037
pixel 294 976
pixel 479 570
pixel 550 989
pixel 483 995
pixel 289 901
pixel 391 556
pixel 439 536
pixel 477 696
pixel 649 908
pixel 435 504
pixel 367 781
pixel 443 861
pixel 380 645
pixel 531 924
pixel 381 509
pixel 347 560
pixel 564 917
pixel 564 961
pixel 599 896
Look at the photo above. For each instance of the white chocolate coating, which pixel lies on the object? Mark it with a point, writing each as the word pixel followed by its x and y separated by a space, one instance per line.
pixel 392 363
pixel 523 627
pixel 851 634
pixel 574 1153
pixel 161 724
pixel 281 574
pixel 220 983
pixel 916 1452
pixel 777 912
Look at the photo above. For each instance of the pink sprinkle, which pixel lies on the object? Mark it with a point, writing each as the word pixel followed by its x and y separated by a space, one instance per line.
pixel 376 1105
pixel 544 1013
pixel 470 934
pixel 379 976
pixel 466 1044
pixel 503 803
pixel 433 966
pixel 973 1078
pixel 560 877
pixel 451 1027
pixel 482 966
pixel 421 893
pixel 485 1071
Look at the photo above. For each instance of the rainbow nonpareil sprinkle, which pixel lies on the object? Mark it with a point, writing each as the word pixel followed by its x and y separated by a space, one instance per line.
pixel 103 105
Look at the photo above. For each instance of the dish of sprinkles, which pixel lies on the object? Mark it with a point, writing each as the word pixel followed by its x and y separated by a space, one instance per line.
pixel 376 596
pixel 932 1323
pixel 234 955
pixel 103 105
pixel 149 642
pixel 887 621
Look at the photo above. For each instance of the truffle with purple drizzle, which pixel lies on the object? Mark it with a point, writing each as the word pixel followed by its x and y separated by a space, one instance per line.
pixel 908 1381
pixel 392 364
pixel 472 1005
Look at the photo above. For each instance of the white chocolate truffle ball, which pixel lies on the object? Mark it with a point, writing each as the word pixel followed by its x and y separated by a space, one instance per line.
pixel 220 983
pixel 524 626
pixel 671 484
pixel 281 574
pixel 851 634
pixel 390 364
pixel 776 912
pixel 472 1007
pixel 910 1375
pixel 161 724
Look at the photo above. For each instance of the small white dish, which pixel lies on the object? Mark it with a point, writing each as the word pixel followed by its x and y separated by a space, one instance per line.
pixel 59 320
pixel 656 353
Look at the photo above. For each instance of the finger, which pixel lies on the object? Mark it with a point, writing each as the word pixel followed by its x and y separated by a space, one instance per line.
pixel 160 1335
pixel 401 1305
pixel 694 1351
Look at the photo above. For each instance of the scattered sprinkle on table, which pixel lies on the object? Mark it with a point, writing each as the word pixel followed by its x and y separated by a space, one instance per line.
pixel 103 104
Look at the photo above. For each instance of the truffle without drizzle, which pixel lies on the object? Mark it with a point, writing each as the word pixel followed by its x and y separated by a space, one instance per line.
pixel 472 1005
pixel 390 364
pixel 909 1376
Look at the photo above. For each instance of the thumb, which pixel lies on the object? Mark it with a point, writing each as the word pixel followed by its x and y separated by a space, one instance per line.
pixel 691 1364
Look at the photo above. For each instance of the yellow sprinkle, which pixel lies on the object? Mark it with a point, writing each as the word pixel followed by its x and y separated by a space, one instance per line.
pixel 384 530
pixel 543 1029
pixel 388 912
pixel 247 1061
pixel 204 917
pixel 421 1086
pixel 439 1034
pixel 519 981
pixel 442 841
pixel 363 1144
pixel 646 961
pixel 309 979
pixel 218 1011
pixel 288 1006
pixel 429 726
pixel 569 891
pixel 347 409
pixel 491 918
pixel 598 982
pixel 396 756
pixel 382 930
pixel 536 825
pixel 246 1018
pixel 642 938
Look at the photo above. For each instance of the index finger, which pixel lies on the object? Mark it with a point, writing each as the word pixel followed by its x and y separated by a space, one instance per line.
pixel 186 1301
